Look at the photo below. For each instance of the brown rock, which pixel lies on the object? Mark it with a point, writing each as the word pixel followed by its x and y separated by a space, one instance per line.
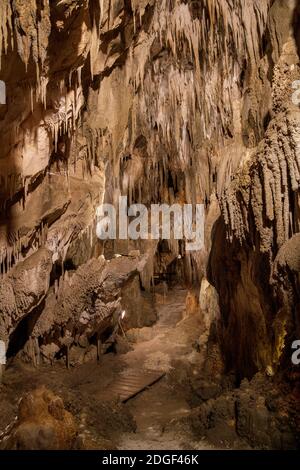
pixel 42 424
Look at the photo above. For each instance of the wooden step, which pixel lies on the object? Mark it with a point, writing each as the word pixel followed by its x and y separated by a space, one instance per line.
pixel 130 384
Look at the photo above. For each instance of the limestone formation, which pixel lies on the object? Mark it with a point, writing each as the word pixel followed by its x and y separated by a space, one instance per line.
pixel 161 101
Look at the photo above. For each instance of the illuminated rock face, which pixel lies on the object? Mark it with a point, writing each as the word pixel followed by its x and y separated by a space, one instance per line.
pixel 163 101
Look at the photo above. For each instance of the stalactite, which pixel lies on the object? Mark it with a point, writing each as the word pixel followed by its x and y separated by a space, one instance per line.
pixel 147 271
pixel 94 47
pixel 5 27
pixel 11 254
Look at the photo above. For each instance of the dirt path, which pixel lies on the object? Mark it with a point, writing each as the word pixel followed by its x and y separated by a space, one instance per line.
pixel 167 347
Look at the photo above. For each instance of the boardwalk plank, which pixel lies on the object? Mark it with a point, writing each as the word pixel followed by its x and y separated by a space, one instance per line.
pixel 129 385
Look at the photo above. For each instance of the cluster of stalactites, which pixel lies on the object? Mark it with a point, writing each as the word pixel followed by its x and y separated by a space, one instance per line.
pixel 189 99
pixel 31 27
pixel 186 96
pixel 31 30
pixel 216 41
pixel 230 27
pixel 11 250
pixel 68 113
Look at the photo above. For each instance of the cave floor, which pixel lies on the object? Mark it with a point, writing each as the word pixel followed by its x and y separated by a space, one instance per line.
pixel 159 412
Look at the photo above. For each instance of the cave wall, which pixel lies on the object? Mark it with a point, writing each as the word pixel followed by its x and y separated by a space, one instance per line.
pixel 254 263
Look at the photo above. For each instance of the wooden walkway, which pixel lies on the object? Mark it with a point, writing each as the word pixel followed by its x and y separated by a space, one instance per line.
pixel 129 384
